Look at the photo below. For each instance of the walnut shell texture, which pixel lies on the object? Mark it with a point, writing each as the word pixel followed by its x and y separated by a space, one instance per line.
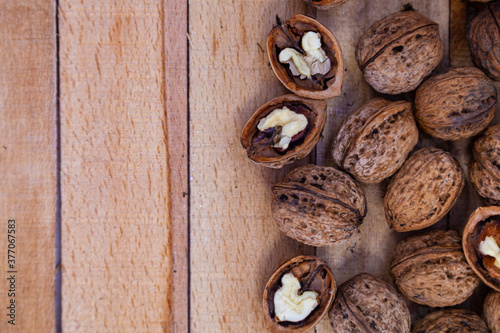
pixel 367 304
pixel 483 36
pixel 397 52
pixel 491 309
pixel 289 34
pixel 431 269
pixel 484 168
pixel 318 205
pixel 267 156
pixel 313 274
pixel 423 190
pixel 457 104
pixel 325 4
pixel 470 240
pixel 375 140
pixel 451 321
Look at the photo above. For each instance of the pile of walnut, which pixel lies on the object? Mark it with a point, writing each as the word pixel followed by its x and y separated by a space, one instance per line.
pixel 323 205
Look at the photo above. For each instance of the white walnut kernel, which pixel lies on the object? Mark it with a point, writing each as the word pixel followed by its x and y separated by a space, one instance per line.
pixel 289 305
pixel 489 247
pixel 291 123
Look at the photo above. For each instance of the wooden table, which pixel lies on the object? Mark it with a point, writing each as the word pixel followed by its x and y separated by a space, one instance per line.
pixel 135 207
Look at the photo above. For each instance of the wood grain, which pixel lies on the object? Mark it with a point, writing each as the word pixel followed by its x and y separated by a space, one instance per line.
pixel 235 244
pixel 28 158
pixel 116 227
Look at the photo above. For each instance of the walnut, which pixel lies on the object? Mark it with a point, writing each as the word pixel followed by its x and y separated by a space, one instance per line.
pixel 397 52
pixel 457 104
pixel 374 141
pixel 318 205
pixel 483 36
pixel 267 147
pixel 484 167
pixel 306 57
pixel 481 241
pixel 431 269
pixel 290 290
pixel 423 190
pixel 325 4
pixel 367 304
pixel 451 321
pixel 491 309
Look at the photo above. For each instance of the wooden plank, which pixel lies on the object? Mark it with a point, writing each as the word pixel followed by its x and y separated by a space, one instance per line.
pixel 235 245
pixel 176 76
pixel 370 250
pixel 28 160
pixel 117 253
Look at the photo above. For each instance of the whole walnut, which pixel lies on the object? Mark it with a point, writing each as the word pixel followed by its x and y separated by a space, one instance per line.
pixel 318 205
pixel 484 167
pixel 325 4
pixel 457 104
pixel 367 304
pixel 431 269
pixel 397 52
pixel 423 190
pixel 451 321
pixel 491 309
pixel 374 141
pixel 484 40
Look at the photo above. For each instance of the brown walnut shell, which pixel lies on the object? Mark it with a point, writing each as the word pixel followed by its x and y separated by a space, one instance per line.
pixel 491 309
pixel 397 52
pixel 318 205
pixel 423 191
pixel 325 4
pixel 431 269
pixel 471 247
pixel 289 34
pixel 314 275
pixel 374 141
pixel 484 40
pixel 484 168
pixel 368 304
pixel 266 155
pixel 451 321
pixel 457 104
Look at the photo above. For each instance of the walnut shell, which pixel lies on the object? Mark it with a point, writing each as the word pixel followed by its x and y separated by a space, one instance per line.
pixel 368 304
pixel 423 190
pixel 483 36
pixel 318 205
pixel 470 239
pixel 325 4
pixel 313 274
pixel 397 52
pixel 451 321
pixel 484 168
pixel 266 155
pixel 374 141
pixel 491 309
pixel 289 34
pixel 431 269
pixel 457 104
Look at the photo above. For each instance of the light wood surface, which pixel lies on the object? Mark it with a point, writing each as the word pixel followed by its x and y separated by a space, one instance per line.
pixel 117 257
pixel 28 162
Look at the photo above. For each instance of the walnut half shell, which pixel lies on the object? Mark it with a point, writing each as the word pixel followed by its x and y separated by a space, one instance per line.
pixel 288 35
pixel 451 321
pixel 318 205
pixel 471 242
pixel 484 167
pixel 431 269
pixel 374 141
pixel 262 152
pixel 423 190
pixel 313 275
pixel 367 304
pixel 397 52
